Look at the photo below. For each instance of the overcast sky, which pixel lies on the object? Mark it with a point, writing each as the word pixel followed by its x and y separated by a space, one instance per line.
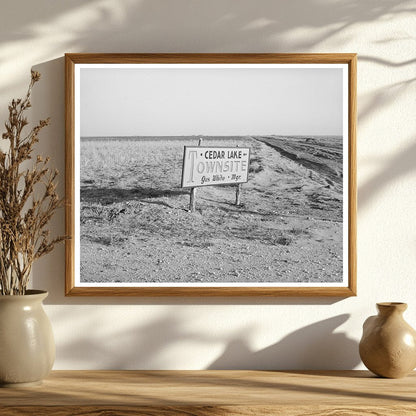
pixel 189 101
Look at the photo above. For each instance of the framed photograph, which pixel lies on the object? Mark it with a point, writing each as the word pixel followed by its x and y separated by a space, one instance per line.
pixel 211 174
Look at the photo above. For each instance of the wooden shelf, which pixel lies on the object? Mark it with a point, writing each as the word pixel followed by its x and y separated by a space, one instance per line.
pixel 203 393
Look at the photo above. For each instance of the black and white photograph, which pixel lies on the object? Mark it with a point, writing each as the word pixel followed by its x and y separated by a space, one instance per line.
pixel 211 175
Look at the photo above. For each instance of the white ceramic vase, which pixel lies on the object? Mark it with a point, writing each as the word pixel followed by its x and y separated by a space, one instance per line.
pixel 27 347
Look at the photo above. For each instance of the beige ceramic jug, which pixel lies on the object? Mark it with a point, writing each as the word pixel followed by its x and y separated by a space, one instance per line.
pixel 388 344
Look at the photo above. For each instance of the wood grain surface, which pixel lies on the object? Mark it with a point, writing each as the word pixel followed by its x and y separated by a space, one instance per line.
pixel 203 393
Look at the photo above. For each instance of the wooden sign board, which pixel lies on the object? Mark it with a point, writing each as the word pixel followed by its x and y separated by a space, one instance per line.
pixel 205 166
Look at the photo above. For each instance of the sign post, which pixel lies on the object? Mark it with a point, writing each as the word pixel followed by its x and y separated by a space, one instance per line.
pixel 192 202
pixel 238 195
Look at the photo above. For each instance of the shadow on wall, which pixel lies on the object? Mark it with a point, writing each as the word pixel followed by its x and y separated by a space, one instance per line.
pixel 152 345
pixel 151 26
pixel 243 26
pixel 48 99
pixel 314 347
pixel 104 26
pixel 141 347
pixel 396 167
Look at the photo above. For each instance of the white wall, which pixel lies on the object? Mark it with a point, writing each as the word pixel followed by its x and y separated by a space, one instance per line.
pixel 198 333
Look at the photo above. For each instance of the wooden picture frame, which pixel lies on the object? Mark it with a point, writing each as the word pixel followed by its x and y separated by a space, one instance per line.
pixel 101 90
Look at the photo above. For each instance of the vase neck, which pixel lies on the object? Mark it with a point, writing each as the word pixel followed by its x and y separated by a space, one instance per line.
pixel 390 308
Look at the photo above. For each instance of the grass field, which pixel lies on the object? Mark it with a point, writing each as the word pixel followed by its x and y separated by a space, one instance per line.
pixel 135 224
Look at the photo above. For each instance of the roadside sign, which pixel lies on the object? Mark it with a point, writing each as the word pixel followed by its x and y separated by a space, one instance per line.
pixel 205 166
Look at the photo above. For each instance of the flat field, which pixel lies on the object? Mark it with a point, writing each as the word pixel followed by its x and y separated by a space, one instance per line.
pixel 136 227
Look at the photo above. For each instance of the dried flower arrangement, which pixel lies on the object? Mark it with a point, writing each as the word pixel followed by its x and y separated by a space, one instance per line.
pixel 28 199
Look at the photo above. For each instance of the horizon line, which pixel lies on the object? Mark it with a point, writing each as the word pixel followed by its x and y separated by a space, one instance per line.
pixel 211 135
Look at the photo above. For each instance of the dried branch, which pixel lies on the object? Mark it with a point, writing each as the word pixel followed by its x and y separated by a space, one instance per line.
pixel 23 218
